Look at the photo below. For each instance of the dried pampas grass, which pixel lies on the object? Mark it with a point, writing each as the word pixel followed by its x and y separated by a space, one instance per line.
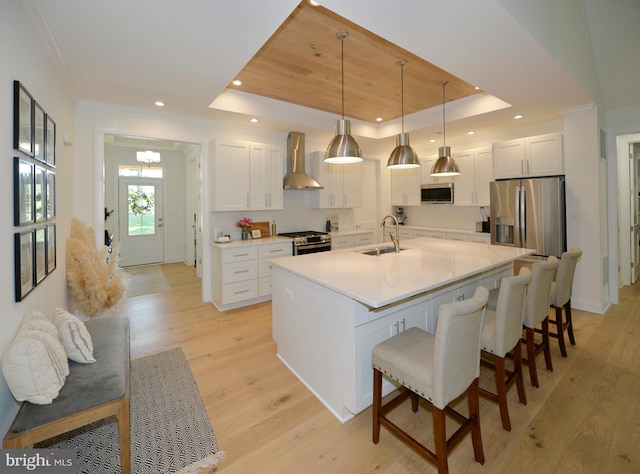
pixel 96 282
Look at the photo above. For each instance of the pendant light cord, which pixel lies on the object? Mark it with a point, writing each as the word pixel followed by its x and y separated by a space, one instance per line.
pixel 342 65
pixel 402 92
pixel 444 126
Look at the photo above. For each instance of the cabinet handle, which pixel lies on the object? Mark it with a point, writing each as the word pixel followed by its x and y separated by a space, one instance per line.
pixel 397 325
pixel 276 251
pixel 240 271
pixel 240 254
pixel 404 324
pixel 240 292
pixel 248 202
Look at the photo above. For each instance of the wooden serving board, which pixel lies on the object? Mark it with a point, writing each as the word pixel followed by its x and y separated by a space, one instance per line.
pixel 263 227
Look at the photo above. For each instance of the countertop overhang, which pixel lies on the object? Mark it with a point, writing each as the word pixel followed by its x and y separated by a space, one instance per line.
pixel 425 264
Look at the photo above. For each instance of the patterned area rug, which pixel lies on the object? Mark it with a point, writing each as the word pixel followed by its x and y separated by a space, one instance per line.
pixel 145 280
pixel 170 430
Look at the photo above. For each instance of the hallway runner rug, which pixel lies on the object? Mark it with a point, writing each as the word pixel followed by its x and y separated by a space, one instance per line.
pixel 170 430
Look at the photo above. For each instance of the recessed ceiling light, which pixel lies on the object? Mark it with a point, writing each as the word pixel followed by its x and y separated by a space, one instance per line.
pixel 433 140
pixel 379 119
pixel 470 132
pixel 254 120
pixel 159 103
pixel 476 88
pixel 314 4
pixel 237 82
pixel 518 117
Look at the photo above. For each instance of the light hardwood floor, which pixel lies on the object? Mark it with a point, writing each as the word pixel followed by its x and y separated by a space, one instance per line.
pixel 585 416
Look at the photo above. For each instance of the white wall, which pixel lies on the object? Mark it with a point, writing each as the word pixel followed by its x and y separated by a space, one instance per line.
pixel 23 58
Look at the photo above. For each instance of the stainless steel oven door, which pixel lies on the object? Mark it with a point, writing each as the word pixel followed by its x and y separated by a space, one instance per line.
pixel 311 248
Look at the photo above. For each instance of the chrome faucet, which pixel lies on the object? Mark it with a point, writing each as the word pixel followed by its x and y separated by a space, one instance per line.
pixel 396 239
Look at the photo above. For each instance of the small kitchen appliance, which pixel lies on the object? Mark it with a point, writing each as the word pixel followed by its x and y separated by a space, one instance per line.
pixel 400 215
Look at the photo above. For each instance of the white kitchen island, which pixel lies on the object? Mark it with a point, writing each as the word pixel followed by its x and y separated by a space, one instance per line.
pixel 331 308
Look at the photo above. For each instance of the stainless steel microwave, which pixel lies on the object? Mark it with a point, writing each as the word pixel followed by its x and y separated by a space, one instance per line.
pixel 441 193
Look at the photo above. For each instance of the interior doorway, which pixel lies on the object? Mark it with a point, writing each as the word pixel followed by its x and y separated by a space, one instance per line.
pixel 177 233
pixel 628 208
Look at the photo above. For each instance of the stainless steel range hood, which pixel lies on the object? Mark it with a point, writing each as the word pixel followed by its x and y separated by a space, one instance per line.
pixel 296 178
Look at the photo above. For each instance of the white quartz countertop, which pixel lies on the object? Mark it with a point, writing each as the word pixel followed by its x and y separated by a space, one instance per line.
pixel 425 264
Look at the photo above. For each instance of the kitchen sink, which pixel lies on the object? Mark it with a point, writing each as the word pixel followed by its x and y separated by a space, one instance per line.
pixel 379 250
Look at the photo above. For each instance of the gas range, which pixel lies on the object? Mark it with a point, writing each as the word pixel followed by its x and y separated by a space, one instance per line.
pixel 309 241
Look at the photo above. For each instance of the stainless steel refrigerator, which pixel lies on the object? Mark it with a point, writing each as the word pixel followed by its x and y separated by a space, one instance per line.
pixel 529 213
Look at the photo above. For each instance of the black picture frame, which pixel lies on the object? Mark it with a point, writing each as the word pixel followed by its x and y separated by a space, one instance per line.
pixel 22 119
pixel 50 142
pixel 40 194
pixel 38 132
pixel 24 263
pixel 23 192
pixel 40 259
pixel 51 195
pixel 51 248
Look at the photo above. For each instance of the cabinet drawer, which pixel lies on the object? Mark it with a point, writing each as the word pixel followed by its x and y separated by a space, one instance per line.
pixel 277 250
pixel 245 252
pixel 240 291
pixel 342 242
pixel 239 271
pixel 364 239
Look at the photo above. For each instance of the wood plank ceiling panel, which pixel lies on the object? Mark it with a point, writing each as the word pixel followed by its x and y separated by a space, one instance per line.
pixel 301 64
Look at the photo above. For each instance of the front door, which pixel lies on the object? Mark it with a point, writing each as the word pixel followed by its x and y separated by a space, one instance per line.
pixel 140 221
pixel 634 208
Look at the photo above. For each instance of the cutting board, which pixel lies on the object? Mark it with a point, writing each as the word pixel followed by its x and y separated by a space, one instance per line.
pixel 263 227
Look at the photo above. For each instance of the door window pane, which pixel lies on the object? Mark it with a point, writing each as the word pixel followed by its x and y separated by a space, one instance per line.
pixel 142 210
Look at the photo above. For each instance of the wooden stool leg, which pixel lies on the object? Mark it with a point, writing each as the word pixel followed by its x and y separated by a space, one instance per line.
pixel 517 360
pixel 377 401
pixel 547 344
pixel 560 331
pixel 501 388
pixel 414 402
pixel 474 413
pixel 531 357
pixel 567 312
pixel 440 435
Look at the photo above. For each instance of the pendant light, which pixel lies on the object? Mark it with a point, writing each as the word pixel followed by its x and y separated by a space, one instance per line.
pixel 148 156
pixel 343 148
pixel 445 165
pixel 403 156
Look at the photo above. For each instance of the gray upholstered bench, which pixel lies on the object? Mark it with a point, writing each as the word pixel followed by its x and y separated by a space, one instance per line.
pixel 91 392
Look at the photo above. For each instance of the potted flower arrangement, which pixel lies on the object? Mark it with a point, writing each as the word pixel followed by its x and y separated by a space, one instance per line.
pixel 245 224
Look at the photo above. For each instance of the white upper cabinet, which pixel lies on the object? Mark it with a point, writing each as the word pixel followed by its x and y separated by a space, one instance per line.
pixel 231 171
pixel 247 176
pixel 426 164
pixel 472 185
pixel 405 187
pixel 529 157
pixel 266 177
pixel 342 184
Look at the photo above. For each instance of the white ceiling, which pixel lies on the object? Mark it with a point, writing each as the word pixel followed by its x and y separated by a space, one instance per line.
pixel 184 53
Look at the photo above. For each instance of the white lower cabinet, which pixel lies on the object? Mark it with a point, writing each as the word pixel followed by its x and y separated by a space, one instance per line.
pixel 369 335
pixel 242 274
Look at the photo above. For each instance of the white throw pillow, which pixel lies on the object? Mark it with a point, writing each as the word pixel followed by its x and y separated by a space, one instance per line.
pixel 38 322
pixel 74 337
pixel 35 366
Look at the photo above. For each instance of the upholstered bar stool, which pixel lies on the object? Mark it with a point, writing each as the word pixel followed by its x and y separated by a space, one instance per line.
pixel 501 334
pixel 561 297
pixel 438 369
pixel 536 312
